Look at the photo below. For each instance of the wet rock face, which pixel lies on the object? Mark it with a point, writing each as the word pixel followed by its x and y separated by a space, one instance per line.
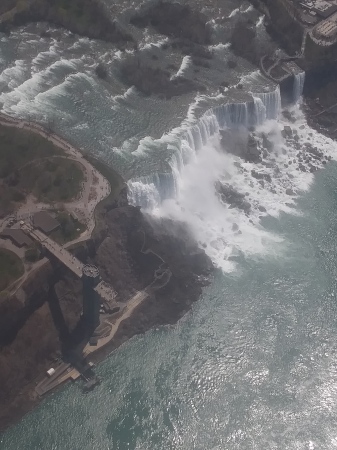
pixel 287 132
pixel 175 20
pixel 233 198
pixel 309 157
pixel 261 176
pixel 241 143
pixel 267 143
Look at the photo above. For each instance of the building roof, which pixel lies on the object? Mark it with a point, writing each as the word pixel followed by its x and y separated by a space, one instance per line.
pixel 45 222
pixel 17 236
pixel 327 28
pixel 322 7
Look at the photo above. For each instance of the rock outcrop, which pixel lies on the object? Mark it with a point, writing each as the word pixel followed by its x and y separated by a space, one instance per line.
pixel 241 143
pixel 232 197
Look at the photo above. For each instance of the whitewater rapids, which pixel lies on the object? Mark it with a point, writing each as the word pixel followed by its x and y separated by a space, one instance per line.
pixel 187 193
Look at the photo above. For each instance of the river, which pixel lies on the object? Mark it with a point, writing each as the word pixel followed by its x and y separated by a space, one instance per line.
pixel 254 364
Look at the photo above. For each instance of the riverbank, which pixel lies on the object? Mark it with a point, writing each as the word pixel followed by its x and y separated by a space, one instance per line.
pixel 41 323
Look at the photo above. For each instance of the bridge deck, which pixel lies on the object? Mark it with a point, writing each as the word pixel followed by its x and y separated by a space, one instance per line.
pixel 55 249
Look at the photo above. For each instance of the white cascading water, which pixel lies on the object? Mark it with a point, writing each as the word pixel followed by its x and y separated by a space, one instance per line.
pixel 188 193
pixel 149 192
pixel 299 80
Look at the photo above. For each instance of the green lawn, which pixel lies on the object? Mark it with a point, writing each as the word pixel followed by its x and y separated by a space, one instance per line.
pixel 11 268
pixel 26 167
pixel 17 149
pixel 54 180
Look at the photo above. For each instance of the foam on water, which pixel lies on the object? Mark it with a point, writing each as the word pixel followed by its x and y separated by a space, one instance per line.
pixel 259 22
pixel 27 92
pixel 118 100
pixel 43 59
pixel 151 41
pixel 200 161
pixel 185 63
pixel 222 231
pixel 13 76
pixel 234 13
pixel 191 157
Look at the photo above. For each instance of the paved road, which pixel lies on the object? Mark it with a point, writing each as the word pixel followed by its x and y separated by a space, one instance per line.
pixel 132 304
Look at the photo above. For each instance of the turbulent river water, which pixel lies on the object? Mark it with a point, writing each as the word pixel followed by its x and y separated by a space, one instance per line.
pixel 254 365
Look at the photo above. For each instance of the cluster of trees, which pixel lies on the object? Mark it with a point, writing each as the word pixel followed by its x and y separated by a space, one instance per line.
pixel 56 180
pixel 24 168
pixel 84 17
pixel 32 254
pixel 11 268
pixel 174 19
pixel 68 226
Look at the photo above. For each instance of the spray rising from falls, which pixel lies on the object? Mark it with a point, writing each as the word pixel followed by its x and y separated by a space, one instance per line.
pixel 149 192
pixel 238 163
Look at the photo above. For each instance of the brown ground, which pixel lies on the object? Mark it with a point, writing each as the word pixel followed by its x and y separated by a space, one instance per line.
pixel 43 321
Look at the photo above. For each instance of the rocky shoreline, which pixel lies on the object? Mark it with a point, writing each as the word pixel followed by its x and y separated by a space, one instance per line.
pixel 42 323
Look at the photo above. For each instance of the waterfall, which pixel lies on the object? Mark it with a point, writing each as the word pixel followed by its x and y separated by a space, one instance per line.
pixel 299 80
pixel 272 104
pixel 149 192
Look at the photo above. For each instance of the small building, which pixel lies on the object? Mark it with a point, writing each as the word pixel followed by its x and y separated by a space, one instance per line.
pixel 50 372
pixel 322 8
pixel 17 236
pixel 44 222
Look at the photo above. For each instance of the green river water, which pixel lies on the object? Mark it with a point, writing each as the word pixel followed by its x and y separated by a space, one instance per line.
pixel 252 366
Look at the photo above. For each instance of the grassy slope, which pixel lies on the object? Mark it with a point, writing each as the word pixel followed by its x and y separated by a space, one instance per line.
pixel 11 268
pixel 53 180
pixel 25 168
